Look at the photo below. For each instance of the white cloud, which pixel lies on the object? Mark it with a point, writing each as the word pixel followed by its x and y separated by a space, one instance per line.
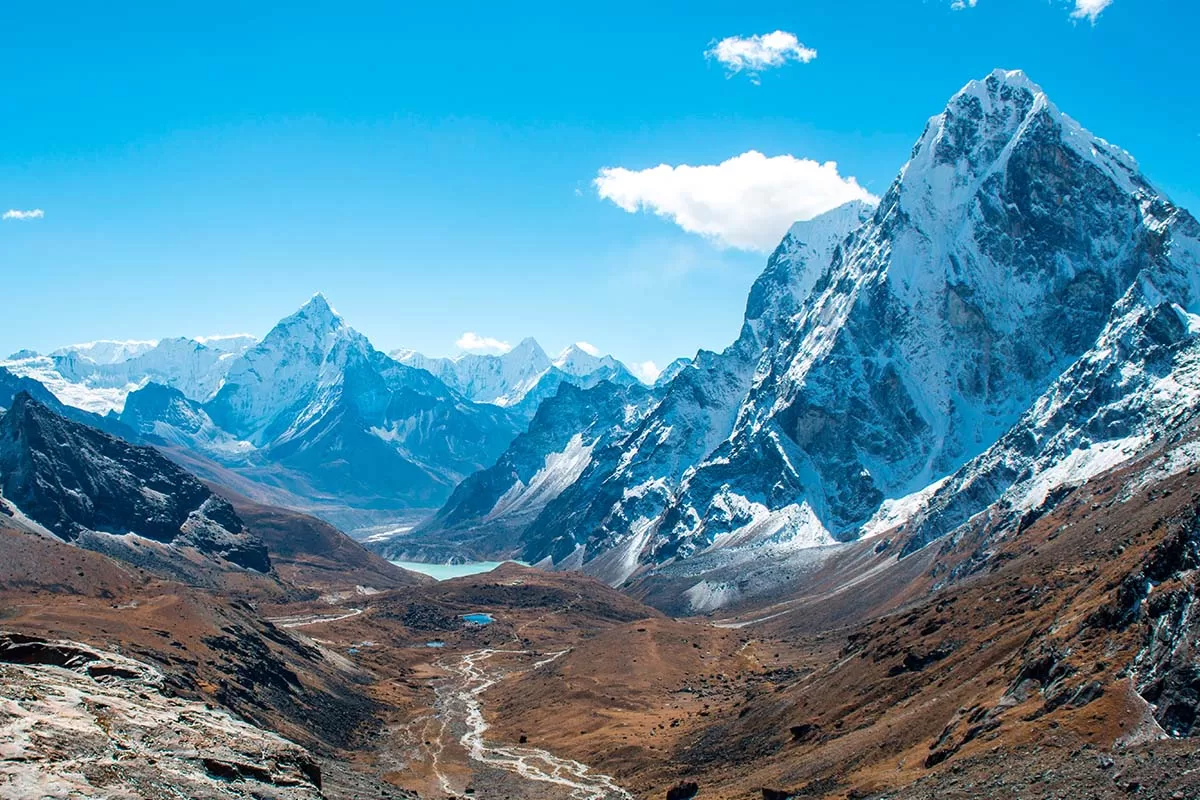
pixel 474 343
pixel 588 348
pixel 747 202
pixel 1090 8
pixel 17 214
pixel 1084 9
pixel 647 371
pixel 752 54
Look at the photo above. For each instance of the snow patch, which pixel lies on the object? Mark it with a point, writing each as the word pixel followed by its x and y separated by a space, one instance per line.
pixel 559 471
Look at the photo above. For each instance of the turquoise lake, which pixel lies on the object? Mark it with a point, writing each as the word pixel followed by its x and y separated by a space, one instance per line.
pixel 444 572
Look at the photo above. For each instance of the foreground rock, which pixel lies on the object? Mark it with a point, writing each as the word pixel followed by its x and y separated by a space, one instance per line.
pixel 80 722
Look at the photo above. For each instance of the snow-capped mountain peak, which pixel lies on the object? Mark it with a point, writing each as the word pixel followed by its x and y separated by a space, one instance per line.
pixel 500 379
pixel 977 134
pixel 527 351
pixel 581 359
pixel 317 316
pixel 793 270
pixel 301 358
pixel 521 378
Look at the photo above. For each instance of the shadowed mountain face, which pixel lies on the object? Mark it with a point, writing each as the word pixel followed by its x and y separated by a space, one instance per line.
pixel 82 484
pixel 12 385
pixel 491 511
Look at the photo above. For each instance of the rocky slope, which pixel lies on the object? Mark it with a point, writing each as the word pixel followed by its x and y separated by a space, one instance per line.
pixel 105 725
pixel 1045 657
pixel 97 491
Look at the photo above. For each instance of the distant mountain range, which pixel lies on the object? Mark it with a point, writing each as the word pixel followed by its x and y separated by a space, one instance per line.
pixel 312 416
pixel 523 377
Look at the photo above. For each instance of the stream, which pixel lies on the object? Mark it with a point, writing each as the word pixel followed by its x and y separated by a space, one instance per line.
pixel 459 707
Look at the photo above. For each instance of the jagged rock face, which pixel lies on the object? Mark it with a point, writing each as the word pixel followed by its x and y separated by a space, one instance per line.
pixel 77 481
pixel 1165 670
pixel 671 370
pixel 1140 379
pixel 792 272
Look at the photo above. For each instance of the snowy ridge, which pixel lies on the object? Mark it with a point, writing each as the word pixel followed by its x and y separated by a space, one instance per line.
pixel 98 376
pixel 560 471
pixel 522 378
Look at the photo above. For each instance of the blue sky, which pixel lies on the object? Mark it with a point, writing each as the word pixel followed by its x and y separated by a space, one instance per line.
pixel 204 169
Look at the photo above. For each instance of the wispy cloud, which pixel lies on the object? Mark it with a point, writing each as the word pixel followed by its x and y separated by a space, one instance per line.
pixel 588 348
pixel 747 202
pixel 17 214
pixel 1090 9
pixel 753 54
pixel 1084 9
pixel 474 343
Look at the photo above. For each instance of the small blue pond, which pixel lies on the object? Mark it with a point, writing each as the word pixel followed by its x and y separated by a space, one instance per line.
pixel 435 643
pixel 479 619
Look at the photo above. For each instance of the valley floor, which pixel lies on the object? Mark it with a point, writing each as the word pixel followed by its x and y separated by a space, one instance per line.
pixel 1049 658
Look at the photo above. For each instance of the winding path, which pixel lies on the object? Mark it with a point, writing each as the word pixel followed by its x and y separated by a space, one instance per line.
pixel 461 702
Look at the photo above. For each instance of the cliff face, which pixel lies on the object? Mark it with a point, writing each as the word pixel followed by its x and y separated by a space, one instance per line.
pixel 77 481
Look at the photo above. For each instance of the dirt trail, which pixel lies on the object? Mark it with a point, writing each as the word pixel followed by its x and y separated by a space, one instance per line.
pixel 313 619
